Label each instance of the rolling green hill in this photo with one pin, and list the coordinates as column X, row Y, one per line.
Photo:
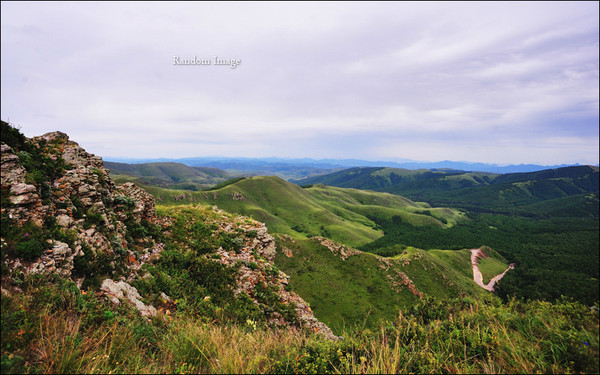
column 170, row 175
column 340, row 214
column 473, row 190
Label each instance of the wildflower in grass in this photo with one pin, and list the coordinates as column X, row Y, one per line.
column 251, row 324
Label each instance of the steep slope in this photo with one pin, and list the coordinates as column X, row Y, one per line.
column 348, row 288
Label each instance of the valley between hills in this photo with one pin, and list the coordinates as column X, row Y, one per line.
column 162, row 267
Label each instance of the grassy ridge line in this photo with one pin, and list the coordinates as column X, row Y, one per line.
column 385, row 205
column 289, row 209
column 340, row 214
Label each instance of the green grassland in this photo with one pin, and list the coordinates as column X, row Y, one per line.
column 365, row 289
column 344, row 215
column 491, row 265
column 547, row 245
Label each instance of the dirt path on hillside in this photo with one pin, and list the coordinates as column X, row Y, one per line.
column 478, row 277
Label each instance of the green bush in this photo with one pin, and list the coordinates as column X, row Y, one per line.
column 12, row 136
column 30, row 249
column 121, row 200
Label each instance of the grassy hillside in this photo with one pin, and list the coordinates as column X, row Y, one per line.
column 171, row 175
column 51, row 327
column 388, row 179
column 348, row 288
column 553, row 257
column 472, row 190
column 340, row 214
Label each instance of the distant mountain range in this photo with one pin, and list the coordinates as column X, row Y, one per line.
column 305, row 167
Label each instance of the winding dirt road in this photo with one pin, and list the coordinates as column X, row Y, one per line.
column 478, row 277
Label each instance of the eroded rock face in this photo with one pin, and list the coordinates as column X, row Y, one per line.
column 13, row 172
column 144, row 202
column 81, row 198
column 260, row 269
column 59, row 259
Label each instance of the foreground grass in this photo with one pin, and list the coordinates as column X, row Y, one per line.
column 52, row 328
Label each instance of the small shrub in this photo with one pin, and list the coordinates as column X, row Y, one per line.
column 121, row 200
column 30, row 249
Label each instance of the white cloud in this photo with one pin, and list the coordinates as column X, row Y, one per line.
column 353, row 80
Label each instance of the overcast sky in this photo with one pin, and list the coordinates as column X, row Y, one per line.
column 487, row 82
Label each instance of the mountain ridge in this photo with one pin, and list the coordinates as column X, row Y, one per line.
column 468, row 189
column 274, row 164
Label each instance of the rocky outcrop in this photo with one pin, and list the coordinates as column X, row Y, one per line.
column 99, row 219
column 81, row 198
column 340, row 250
column 402, row 280
column 256, row 257
column 121, row 290
column 58, row 259
column 144, row 202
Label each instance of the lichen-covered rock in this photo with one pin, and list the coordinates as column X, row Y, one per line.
column 144, row 202
column 12, row 171
column 80, row 197
column 58, row 259
column 116, row 290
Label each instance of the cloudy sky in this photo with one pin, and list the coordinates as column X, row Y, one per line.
column 487, row 82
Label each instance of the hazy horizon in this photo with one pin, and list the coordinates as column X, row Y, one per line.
column 497, row 83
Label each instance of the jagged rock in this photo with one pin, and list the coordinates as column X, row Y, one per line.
column 114, row 291
column 58, row 259
column 18, row 189
column 24, row 199
column 12, row 170
column 248, row 278
column 336, row 248
column 64, row 220
column 144, row 202
column 53, row 136
column 61, row 248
